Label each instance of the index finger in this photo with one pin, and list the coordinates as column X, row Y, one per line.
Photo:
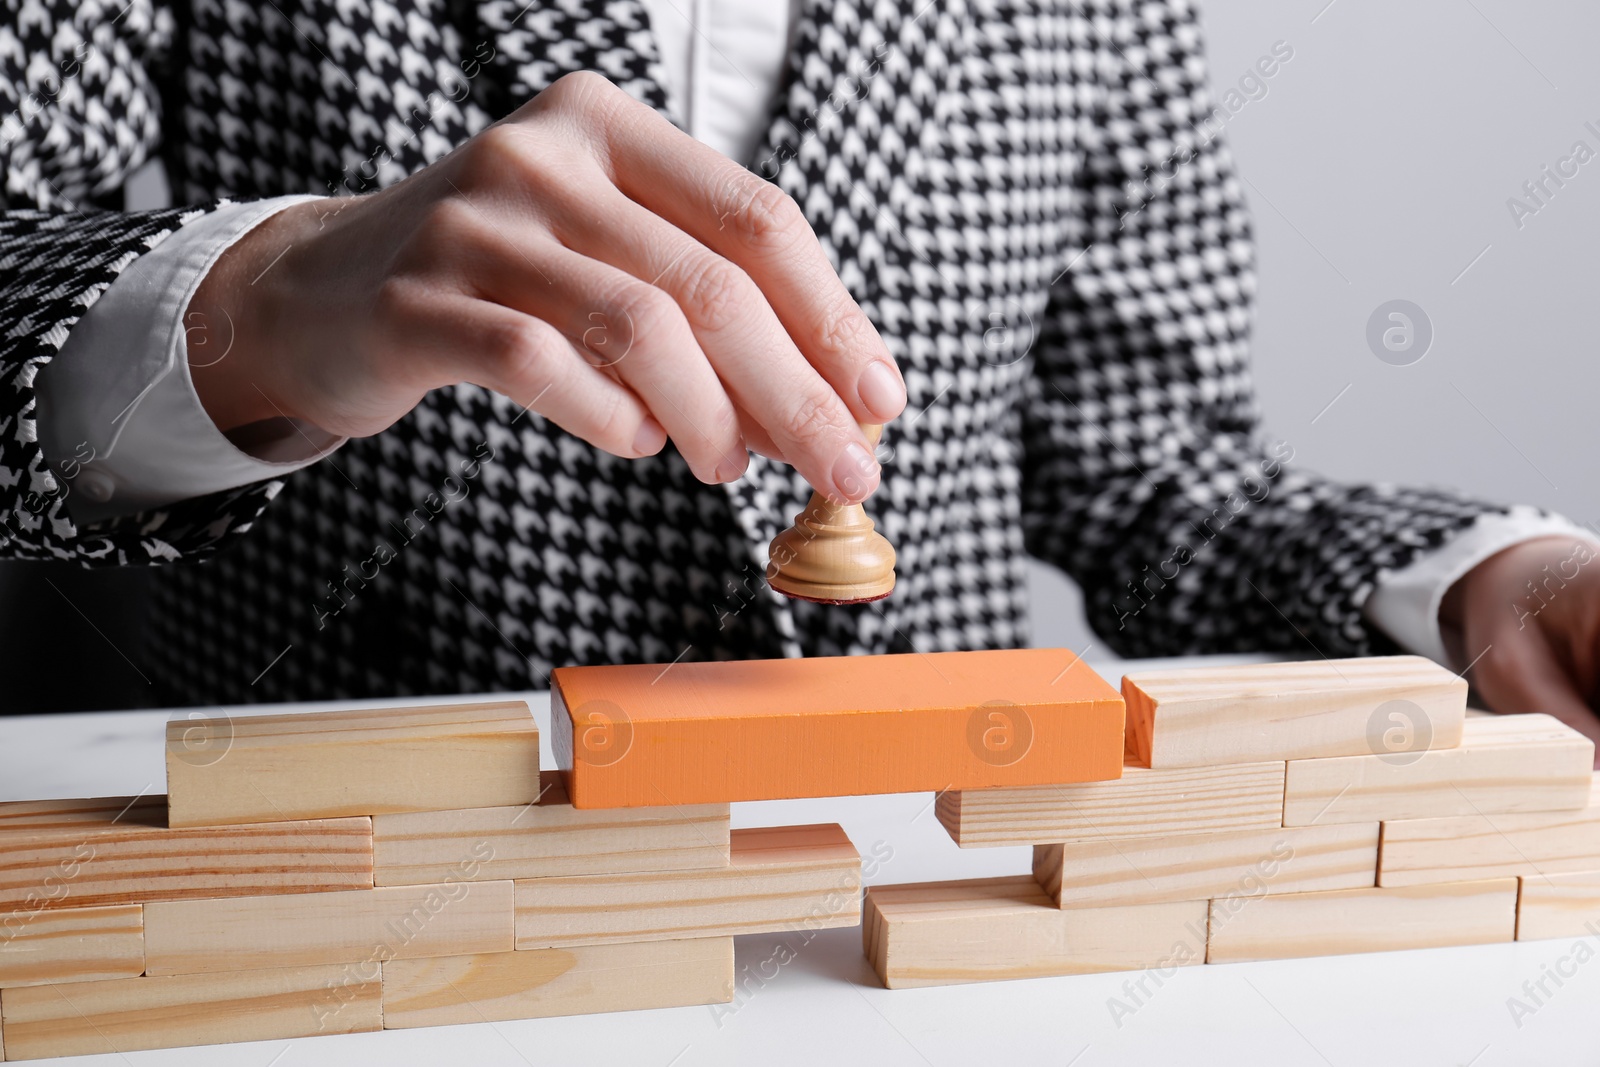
column 758, row 226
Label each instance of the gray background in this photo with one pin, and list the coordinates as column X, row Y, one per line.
column 1379, row 160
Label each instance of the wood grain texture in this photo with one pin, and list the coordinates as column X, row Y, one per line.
column 71, row 945
column 365, row 926
column 119, row 850
column 273, row 768
column 547, row 839
column 699, row 733
column 124, row 1014
column 1466, row 847
column 1142, row 803
column 1149, row 870
column 1559, row 905
column 989, row 929
column 786, row 878
column 1205, row 716
column 1293, row 925
column 1505, row 763
column 557, row 981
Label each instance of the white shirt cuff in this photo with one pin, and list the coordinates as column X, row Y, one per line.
column 118, row 415
column 1405, row 603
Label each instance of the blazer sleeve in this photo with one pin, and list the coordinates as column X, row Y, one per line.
column 1147, row 475
column 81, row 112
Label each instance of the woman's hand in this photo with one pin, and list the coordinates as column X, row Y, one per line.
column 1531, row 616
column 584, row 258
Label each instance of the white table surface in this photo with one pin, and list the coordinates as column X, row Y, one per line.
column 1417, row 1008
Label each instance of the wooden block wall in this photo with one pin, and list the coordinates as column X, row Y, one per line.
column 418, row 897
column 198, row 971
column 1486, row 831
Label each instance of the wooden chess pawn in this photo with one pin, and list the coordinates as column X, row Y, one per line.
column 833, row 554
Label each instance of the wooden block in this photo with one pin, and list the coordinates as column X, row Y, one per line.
column 546, row 839
column 1460, row 848
column 84, row 853
column 1204, row 716
column 710, row 733
column 791, row 877
column 1293, row 925
column 1142, row 803
column 1149, row 870
column 557, row 981
column 124, row 1014
column 364, row 926
column 1505, row 763
column 1559, row 905
column 988, row 929
column 71, row 945
column 272, row 768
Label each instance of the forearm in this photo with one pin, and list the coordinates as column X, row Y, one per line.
column 1419, row 604
column 118, row 416
column 1227, row 547
column 55, row 267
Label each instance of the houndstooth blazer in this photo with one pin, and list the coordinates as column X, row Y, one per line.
column 1023, row 196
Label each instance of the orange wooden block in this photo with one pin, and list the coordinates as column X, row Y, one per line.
column 710, row 733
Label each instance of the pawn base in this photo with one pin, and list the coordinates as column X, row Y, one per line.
column 831, row 601
column 831, row 593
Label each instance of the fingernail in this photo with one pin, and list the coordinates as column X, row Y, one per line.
column 855, row 473
column 731, row 470
column 881, row 390
column 650, row 438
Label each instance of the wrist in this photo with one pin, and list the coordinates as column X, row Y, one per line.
column 1503, row 578
column 237, row 325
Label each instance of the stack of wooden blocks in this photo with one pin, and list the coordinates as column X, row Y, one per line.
column 399, row 867
column 1269, row 812
column 361, row 870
